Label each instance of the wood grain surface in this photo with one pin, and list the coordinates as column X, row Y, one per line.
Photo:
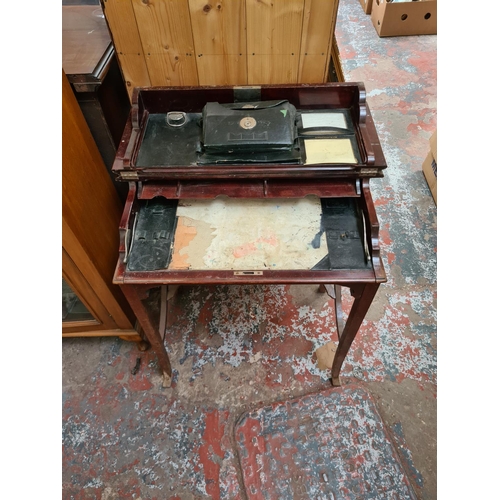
column 167, row 40
column 85, row 38
column 125, row 34
column 91, row 210
column 222, row 42
column 273, row 40
column 219, row 32
column 317, row 33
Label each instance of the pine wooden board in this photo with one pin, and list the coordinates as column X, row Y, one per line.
column 135, row 71
column 222, row 69
column 218, row 26
column 121, row 21
column 170, row 69
column 273, row 40
column 167, row 40
column 219, row 34
column 274, row 26
column 268, row 69
column 222, row 42
column 312, row 68
column 317, row 32
column 336, row 61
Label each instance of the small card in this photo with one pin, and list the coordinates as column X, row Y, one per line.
column 310, row 120
column 329, row 151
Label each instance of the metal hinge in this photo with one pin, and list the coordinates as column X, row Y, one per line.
column 250, row 93
column 368, row 171
column 129, row 176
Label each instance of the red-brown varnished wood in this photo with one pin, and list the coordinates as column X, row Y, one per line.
column 221, row 277
column 339, row 316
column 226, row 276
column 253, row 181
column 336, row 95
column 152, row 334
column 254, row 171
column 193, row 99
column 358, row 311
column 247, row 188
column 372, row 227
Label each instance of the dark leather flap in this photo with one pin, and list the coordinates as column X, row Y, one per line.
column 253, row 127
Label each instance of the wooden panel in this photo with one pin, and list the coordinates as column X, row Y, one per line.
column 218, row 26
column 312, row 68
column 273, row 29
column 317, row 32
column 336, row 60
column 222, row 42
column 122, row 25
column 222, row 69
column 274, row 26
column 266, row 69
column 167, row 40
column 85, row 38
column 219, row 35
column 83, row 290
column 130, row 335
column 172, row 71
column 91, row 210
column 103, row 299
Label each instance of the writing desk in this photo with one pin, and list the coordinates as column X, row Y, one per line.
column 308, row 221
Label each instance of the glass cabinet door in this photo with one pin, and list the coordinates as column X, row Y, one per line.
column 73, row 309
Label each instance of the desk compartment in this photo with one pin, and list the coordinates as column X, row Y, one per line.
column 164, row 145
column 242, row 234
column 334, row 135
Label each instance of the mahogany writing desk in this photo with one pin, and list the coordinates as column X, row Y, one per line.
column 197, row 218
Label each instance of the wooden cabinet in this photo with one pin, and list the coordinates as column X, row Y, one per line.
column 89, row 61
column 91, row 211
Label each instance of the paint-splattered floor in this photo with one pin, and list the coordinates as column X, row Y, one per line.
column 237, row 348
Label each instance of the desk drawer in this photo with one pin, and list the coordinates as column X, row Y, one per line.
column 248, row 236
column 250, row 188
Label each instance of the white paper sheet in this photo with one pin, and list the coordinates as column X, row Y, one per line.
column 310, row 120
column 329, row 151
column 249, row 234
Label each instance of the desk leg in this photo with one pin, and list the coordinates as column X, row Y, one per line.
column 152, row 334
column 335, row 292
column 364, row 295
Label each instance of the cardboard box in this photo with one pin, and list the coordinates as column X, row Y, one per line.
column 366, row 5
column 429, row 167
column 404, row 18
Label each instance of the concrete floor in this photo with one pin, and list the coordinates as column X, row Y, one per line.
column 236, row 348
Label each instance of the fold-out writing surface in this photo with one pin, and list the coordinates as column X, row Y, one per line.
column 329, row 151
column 248, row 234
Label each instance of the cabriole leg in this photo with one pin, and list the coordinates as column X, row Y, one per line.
column 363, row 299
column 152, row 334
